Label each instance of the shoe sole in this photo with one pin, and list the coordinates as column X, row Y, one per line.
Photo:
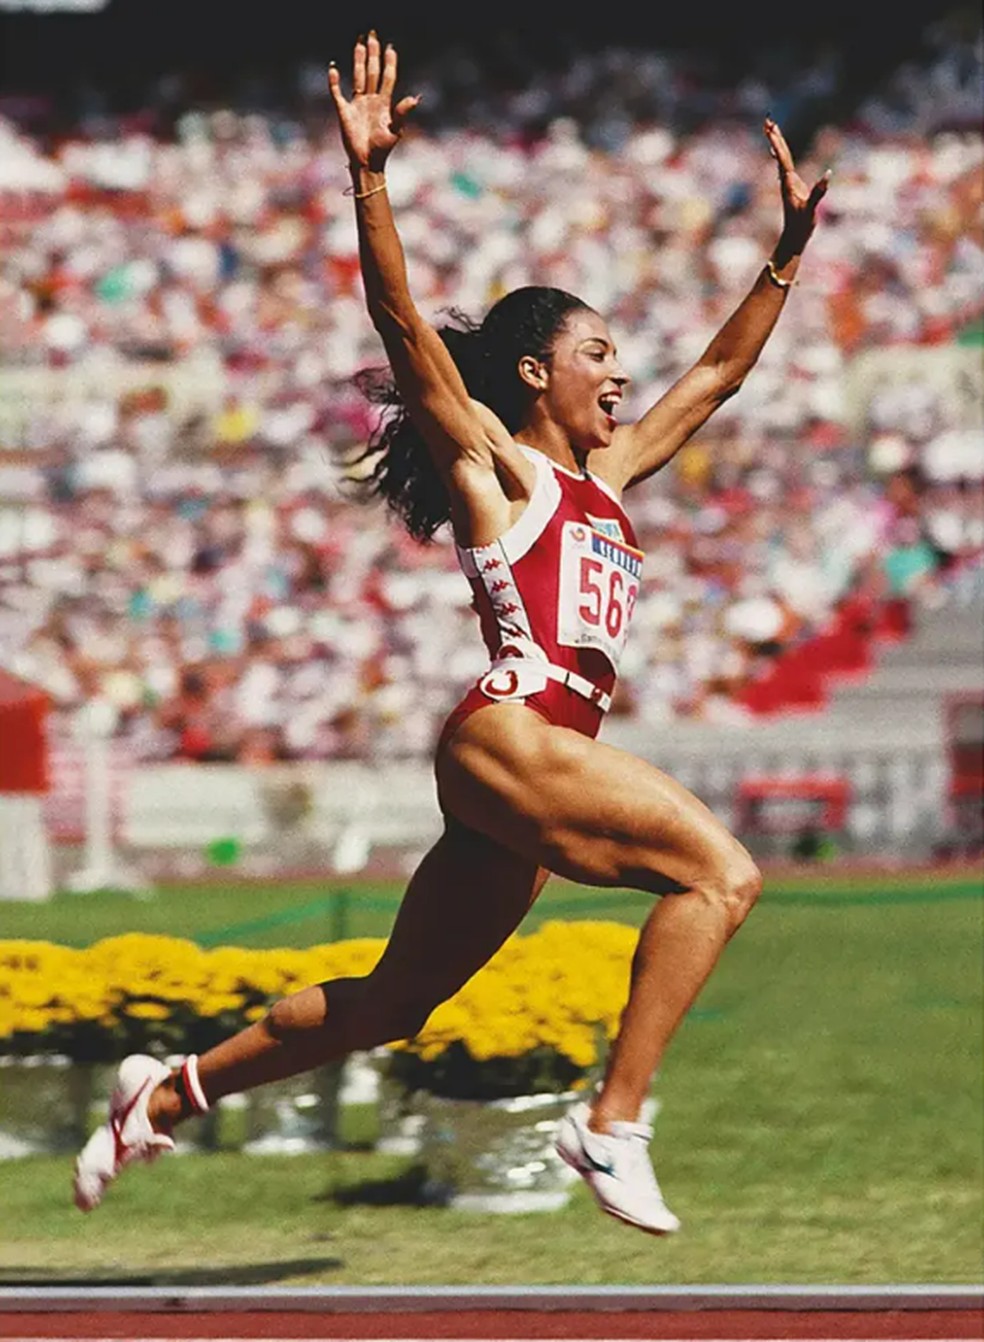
column 583, row 1171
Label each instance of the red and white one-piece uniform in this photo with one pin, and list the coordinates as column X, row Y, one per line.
column 555, row 596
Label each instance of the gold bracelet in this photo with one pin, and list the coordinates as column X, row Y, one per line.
column 775, row 277
column 361, row 195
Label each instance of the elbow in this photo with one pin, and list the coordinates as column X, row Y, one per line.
column 728, row 381
column 721, row 378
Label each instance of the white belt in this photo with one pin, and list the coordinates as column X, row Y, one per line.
column 495, row 689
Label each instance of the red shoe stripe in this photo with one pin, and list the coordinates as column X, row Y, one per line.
column 120, row 1147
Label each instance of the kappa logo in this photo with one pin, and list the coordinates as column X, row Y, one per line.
column 499, row 684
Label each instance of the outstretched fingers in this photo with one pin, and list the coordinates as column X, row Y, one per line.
column 370, row 121
column 335, row 87
column 359, row 66
column 778, row 147
column 388, row 82
column 819, row 191
column 373, row 70
column 372, row 63
column 401, row 111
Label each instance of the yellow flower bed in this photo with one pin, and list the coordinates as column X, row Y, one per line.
column 560, row 990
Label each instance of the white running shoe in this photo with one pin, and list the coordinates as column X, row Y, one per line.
column 616, row 1167
column 127, row 1135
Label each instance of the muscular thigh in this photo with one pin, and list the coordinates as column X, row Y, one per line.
column 467, row 896
column 580, row 807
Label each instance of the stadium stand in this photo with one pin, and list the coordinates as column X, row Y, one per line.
column 183, row 320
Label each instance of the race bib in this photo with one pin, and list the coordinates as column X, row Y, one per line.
column 599, row 584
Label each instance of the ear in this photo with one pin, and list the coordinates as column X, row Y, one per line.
column 533, row 372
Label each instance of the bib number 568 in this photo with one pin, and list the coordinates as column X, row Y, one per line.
column 604, row 603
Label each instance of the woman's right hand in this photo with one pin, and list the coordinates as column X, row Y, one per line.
column 370, row 122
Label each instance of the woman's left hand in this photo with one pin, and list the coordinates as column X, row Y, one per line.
column 371, row 121
column 799, row 204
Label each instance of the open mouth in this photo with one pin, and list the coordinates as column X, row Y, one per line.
column 609, row 404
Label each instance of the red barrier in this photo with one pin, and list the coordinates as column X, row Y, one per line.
column 23, row 744
column 772, row 804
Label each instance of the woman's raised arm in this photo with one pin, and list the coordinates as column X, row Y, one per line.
column 643, row 448
column 371, row 123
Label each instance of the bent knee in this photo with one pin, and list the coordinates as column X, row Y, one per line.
column 736, row 884
column 743, row 885
column 358, row 1012
column 408, row 1021
column 397, row 1010
column 288, row 1016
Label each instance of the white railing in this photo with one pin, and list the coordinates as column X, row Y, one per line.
column 332, row 815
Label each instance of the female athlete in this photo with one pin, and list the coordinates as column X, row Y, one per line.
column 509, row 432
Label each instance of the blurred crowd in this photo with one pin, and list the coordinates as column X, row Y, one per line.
column 182, row 318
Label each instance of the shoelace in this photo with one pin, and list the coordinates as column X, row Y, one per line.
column 621, row 1128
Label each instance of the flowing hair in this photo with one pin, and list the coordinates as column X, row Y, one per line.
column 524, row 322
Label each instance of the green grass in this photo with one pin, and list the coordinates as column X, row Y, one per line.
column 303, row 913
column 822, row 1122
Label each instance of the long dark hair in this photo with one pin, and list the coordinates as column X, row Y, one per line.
column 524, row 322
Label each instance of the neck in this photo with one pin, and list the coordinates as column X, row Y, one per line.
column 553, row 442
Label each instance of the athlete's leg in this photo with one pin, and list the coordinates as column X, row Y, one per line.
column 601, row 816
column 466, row 897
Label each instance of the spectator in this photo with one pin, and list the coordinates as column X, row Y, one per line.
column 179, row 541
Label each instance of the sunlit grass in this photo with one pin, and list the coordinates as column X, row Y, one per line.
column 821, row 1122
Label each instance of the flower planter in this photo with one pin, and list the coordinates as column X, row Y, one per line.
column 493, row 1155
column 47, row 1103
column 284, row 1118
column 293, row 1116
column 50, row 1104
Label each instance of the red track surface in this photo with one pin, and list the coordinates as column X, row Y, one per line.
column 732, row 1325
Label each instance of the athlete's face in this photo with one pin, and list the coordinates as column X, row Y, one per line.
column 583, row 381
